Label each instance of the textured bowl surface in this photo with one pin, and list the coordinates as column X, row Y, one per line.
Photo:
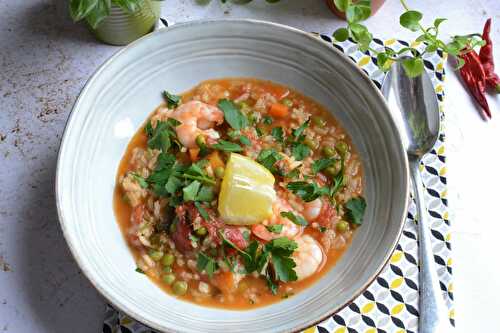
column 121, row 94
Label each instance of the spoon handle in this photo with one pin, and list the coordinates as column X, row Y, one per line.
column 433, row 311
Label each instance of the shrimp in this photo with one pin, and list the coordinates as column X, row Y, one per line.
column 312, row 209
column 308, row 257
column 197, row 118
column 289, row 228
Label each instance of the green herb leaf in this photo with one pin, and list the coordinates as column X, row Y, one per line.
column 438, row 21
column 341, row 34
column 172, row 100
column 322, row 163
column 190, row 192
column 268, row 120
column 361, row 35
column 281, row 250
column 245, row 140
column 275, row 228
column 278, row 134
column 162, row 136
column 355, row 210
column 273, row 286
column 227, row 146
column 411, row 20
column 297, row 219
column 299, row 130
column 202, row 211
column 79, row 9
column 268, row 157
column 98, row 13
column 140, row 180
column 300, row 151
column 341, row 4
column 233, row 116
column 205, row 194
column 359, row 11
column 138, row 270
column 413, row 66
column 206, row 263
column 307, row 191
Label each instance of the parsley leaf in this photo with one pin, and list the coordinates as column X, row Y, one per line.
column 190, row 192
column 140, row 180
column 245, row 140
column 171, row 99
column 207, row 264
column 322, row 164
column 139, row 270
column 273, row 286
column 355, row 210
column 281, row 250
column 297, row 219
column 299, row 130
column 233, row 116
column 202, row 211
column 227, row 146
column 300, row 151
column 307, row 191
column 268, row 120
column 293, row 173
column 162, row 136
column 278, row 135
column 275, row 228
column 268, row 157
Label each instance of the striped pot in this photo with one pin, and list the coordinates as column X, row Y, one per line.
column 121, row 28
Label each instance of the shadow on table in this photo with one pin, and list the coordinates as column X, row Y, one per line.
column 61, row 298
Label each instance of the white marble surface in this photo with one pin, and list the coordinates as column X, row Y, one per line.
column 44, row 62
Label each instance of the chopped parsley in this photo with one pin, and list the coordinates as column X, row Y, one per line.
column 233, row 116
column 275, row 228
column 227, row 146
column 140, row 180
column 307, row 191
column 297, row 133
column 268, row 157
column 322, row 164
column 171, row 99
column 138, row 270
column 322, row 229
column 245, row 140
column 202, row 211
column 355, row 210
column 163, row 135
column 297, row 219
column 207, row 264
column 278, row 134
column 268, row 120
column 300, row 151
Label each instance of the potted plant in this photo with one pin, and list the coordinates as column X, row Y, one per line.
column 338, row 7
column 117, row 22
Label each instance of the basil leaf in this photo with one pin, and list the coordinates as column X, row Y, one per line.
column 233, row 116
column 410, row 20
column 355, row 210
column 227, row 146
column 297, row 219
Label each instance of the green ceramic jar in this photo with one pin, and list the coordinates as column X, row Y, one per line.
column 122, row 28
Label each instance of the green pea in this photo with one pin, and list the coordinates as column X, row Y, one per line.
column 287, row 102
column 329, row 151
column 155, row 255
column 342, row 226
column 167, row 269
column 168, row 259
column 318, row 121
column 331, row 171
column 201, row 231
column 180, row 288
column 200, row 141
column 219, row 172
column 310, row 143
column 342, row 147
column 169, row 278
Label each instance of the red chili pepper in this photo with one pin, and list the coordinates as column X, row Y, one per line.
column 486, row 57
column 473, row 74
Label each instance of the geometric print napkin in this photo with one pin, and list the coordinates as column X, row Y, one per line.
column 390, row 303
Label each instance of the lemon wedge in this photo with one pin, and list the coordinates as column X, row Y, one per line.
column 247, row 192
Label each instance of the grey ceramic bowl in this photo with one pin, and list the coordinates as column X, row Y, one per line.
column 121, row 94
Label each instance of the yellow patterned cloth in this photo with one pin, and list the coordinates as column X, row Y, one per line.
column 390, row 303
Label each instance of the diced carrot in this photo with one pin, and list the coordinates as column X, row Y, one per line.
column 215, row 160
column 193, row 154
column 225, row 282
column 278, row 110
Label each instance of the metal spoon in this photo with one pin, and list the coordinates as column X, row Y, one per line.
column 415, row 107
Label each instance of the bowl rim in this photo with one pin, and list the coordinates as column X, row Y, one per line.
column 137, row 316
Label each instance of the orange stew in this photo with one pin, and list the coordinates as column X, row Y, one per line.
column 238, row 193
